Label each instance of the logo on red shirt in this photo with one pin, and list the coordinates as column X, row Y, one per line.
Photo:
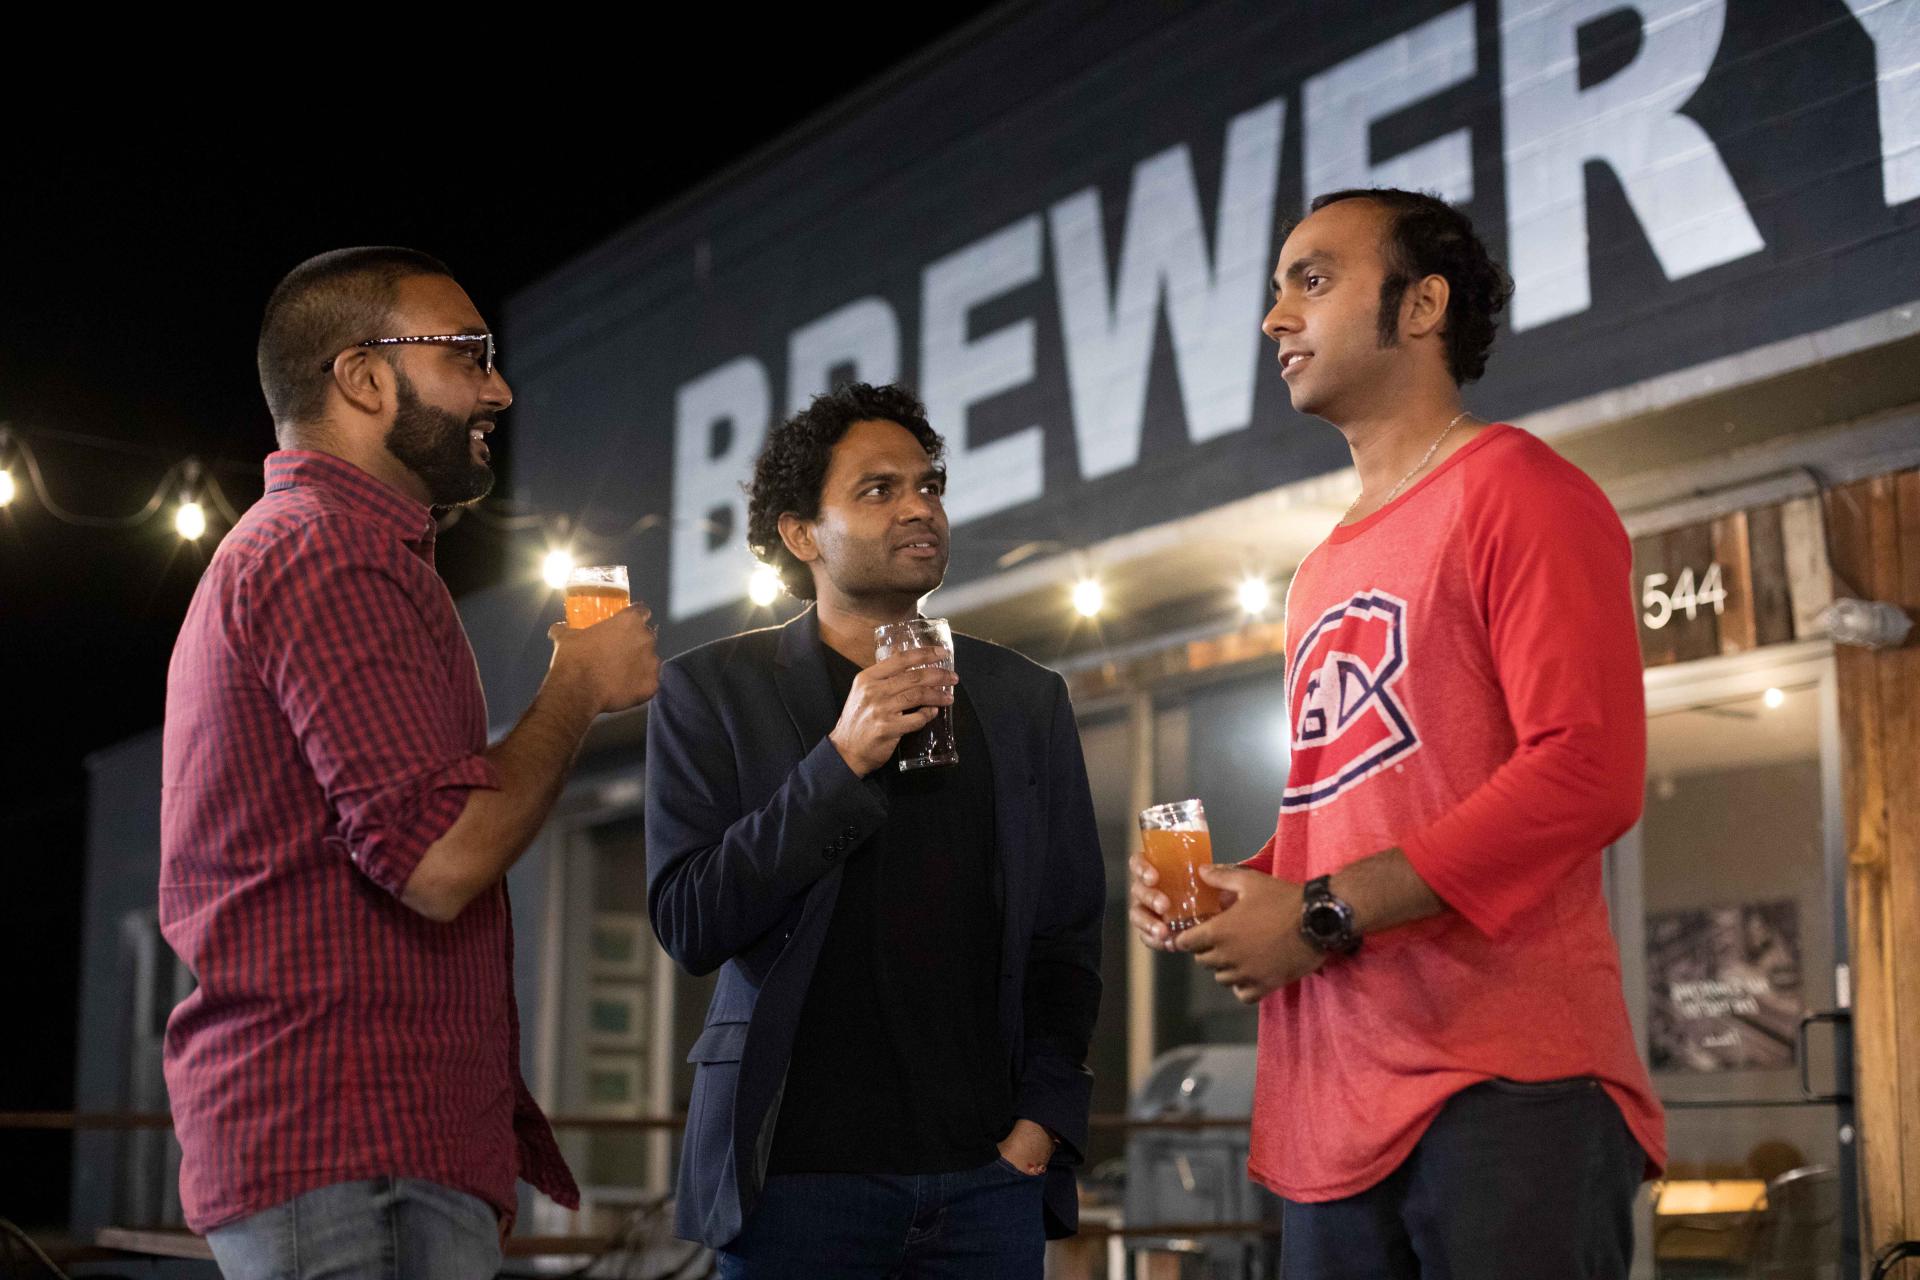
column 1347, row 721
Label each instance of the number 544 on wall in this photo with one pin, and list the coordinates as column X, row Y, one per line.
column 1661, row 604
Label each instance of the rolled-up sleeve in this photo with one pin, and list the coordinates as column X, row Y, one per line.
column 366, row 687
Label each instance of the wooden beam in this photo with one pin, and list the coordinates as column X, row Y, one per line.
column 1772, row 600
column 1875, row 532
column 1739, row 625
column 1809, row 577
column 1143, row 965
column 1897, row 579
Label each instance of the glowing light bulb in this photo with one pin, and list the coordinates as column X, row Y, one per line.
column 763, row 585
column 190, row 520
column 6, row 488
column 555, row 568
column 1255, row 595
column 1088, row 598
column 1773, row 698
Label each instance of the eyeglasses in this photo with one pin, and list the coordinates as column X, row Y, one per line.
column 441, row 339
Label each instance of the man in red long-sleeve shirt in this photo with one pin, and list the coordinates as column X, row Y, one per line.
column 1448, row 1084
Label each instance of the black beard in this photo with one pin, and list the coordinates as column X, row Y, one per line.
column 437, row 447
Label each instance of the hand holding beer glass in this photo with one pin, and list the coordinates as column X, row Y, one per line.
column 618, row 664
column 1175, row 842
column 936, row 744
column 595, row 592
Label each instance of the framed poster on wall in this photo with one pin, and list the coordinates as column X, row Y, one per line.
column 1725, row 987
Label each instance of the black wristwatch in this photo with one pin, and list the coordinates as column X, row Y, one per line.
column 1326, row 922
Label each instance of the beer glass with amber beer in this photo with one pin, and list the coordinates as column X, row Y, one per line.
column 936, row 744
column 1176, row 843
column 595, row 592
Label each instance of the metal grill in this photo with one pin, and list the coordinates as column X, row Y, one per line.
column 1200, row 1176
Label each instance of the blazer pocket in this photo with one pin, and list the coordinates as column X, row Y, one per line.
column 720, row 1042
column 716, row 1079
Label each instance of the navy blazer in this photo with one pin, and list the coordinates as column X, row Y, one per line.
column 750, row 810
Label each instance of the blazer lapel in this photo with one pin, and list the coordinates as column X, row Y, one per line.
column 800, row 674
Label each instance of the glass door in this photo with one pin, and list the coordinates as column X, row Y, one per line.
column 1729, row 903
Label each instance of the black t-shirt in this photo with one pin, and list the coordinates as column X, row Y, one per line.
column 898, row 1064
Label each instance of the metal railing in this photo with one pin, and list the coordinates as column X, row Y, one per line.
column 146, row 1241
column 107, row 1120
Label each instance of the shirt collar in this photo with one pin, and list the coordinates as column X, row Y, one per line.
column 411, row 521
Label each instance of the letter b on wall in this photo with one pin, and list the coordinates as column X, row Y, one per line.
column 720, row 422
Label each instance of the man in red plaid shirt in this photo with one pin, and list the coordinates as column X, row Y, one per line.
column 336, row 829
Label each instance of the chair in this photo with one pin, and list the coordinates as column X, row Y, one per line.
column 1797, row 1236
column 1703, row 1229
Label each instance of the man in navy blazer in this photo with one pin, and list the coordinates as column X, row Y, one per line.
column 891, row 1080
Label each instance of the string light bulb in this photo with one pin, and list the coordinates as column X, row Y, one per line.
column 190, row 518
column 1773, row 698
column 1088, row 597
column 1255, row 596
column 7, row 489
column 556, row 567
column 763, row 585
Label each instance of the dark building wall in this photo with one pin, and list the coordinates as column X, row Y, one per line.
column 1062, row 231
column 123, row 872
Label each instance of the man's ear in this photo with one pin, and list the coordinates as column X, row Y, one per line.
column 1424, row 310
column 362, row 379
column 797, row 534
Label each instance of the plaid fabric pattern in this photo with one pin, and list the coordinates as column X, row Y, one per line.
column 324, row 726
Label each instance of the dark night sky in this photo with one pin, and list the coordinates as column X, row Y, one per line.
column 133, row 266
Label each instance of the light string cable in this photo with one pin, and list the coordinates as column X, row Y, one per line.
column 186, row 476
column 10, row 1233
column 510, row 516
column 194, row 482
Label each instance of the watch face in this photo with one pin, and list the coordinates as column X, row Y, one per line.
column 1324, row 921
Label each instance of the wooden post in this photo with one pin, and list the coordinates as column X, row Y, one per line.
column 1141, row 963
column 1875, row 531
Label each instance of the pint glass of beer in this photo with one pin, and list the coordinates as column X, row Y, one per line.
column 936, row 744
column 595, row 592
column 1176, row 844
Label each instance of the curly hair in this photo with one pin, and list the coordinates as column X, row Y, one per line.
column 792, row 467
column 1429, row 237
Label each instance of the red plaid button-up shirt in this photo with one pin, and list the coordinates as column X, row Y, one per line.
column 324, row 726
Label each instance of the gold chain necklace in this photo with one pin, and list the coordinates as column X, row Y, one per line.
column 1395, row 491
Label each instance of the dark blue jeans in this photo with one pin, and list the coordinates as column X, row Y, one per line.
column 979, row 1224
column 1520, row 1181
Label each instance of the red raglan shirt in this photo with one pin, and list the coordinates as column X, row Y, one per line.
column 1463, row 675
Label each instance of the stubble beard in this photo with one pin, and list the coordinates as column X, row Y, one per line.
column 870, row 581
